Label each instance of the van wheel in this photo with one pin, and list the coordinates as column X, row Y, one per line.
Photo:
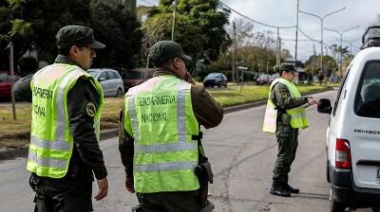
column 118, row 93
column 376, row 209
column 337, row 206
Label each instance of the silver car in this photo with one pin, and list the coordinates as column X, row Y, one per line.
column 110, row 80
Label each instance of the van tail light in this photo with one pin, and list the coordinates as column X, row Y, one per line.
column 342, row 154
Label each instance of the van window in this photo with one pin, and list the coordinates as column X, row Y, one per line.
column 367, row 100
column 341, row 92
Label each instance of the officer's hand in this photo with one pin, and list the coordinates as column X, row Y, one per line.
column 311, row 101
column 129, row 184
column 103, row 189
column 189, row 78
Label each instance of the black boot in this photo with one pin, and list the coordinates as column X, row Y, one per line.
column 279, row 190
column 291, row 189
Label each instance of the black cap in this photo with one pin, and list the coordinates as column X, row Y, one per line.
column 165, row 50
column 287, row 67
column 77, row 35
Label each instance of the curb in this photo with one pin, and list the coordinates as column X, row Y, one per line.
column 11, row 153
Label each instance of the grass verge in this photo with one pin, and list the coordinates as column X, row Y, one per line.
column 15, row 133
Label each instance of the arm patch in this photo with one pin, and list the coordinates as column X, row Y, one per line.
column 284, row 95
column 90, row 109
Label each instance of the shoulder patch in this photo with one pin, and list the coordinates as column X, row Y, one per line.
column 284, row 95
column 91, row 109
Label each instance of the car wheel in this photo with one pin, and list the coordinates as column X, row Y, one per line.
column 337, row 206
column 119, row 92
column 219, row 84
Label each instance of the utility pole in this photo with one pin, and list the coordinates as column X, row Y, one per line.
column 278, row 58
column 233, row 51
column 296, row 49
column 174, row 20
column 11, row 65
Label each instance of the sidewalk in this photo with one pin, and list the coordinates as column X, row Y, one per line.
column 10, row 153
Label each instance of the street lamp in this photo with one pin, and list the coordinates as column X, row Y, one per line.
column 322, row 19
column 341, row 39
column 174, row 20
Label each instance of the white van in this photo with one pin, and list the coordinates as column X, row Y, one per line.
column 353, row 133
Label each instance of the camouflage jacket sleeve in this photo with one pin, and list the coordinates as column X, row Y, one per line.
column 280, row 95
column 208, row 112
column 21, row 89
column 126, row 146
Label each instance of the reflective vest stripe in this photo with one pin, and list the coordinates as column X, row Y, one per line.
column 181, row 117
column 182, row 146
column 56, row 145
column 165, row 166
column 56, row 163
column 133, row 116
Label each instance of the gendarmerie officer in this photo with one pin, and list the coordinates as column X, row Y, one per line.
column 64, row 153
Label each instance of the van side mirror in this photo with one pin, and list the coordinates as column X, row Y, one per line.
column 102, row 79
column 324, row 106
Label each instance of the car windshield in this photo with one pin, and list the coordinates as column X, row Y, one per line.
column 3, row 77
column 133, row 74
column 213, row 75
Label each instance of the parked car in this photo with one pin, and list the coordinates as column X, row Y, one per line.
column 215, row 79
column 135, row 77
column 263, row 79
column 110, row 80
column 352, row 137
column 273, row 77
column 6, row 84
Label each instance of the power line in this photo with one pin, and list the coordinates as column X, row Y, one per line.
column 257, row 22
column 310, row 38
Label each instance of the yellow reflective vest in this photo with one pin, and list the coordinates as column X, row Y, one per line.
column 51, row 143
column 159, row 115
column 298, row 117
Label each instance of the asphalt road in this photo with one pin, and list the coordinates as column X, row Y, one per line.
column 242, row 157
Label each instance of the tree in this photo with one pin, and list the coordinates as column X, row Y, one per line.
column 14, row 29
column 112, row 25
column 120, row 31
column 199, row 26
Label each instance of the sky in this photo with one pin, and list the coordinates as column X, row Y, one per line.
column 350, row 22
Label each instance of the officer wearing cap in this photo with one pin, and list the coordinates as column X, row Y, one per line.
column 64, row 153
column 284, row 115
column 160, row 136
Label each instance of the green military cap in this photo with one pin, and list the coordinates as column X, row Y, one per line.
column 165, row 50
column 288, row 67
column 77, row 35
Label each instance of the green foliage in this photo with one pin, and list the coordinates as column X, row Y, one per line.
column 199, row 26
column 19, row 27
column 39, row 23
column 119, row 30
